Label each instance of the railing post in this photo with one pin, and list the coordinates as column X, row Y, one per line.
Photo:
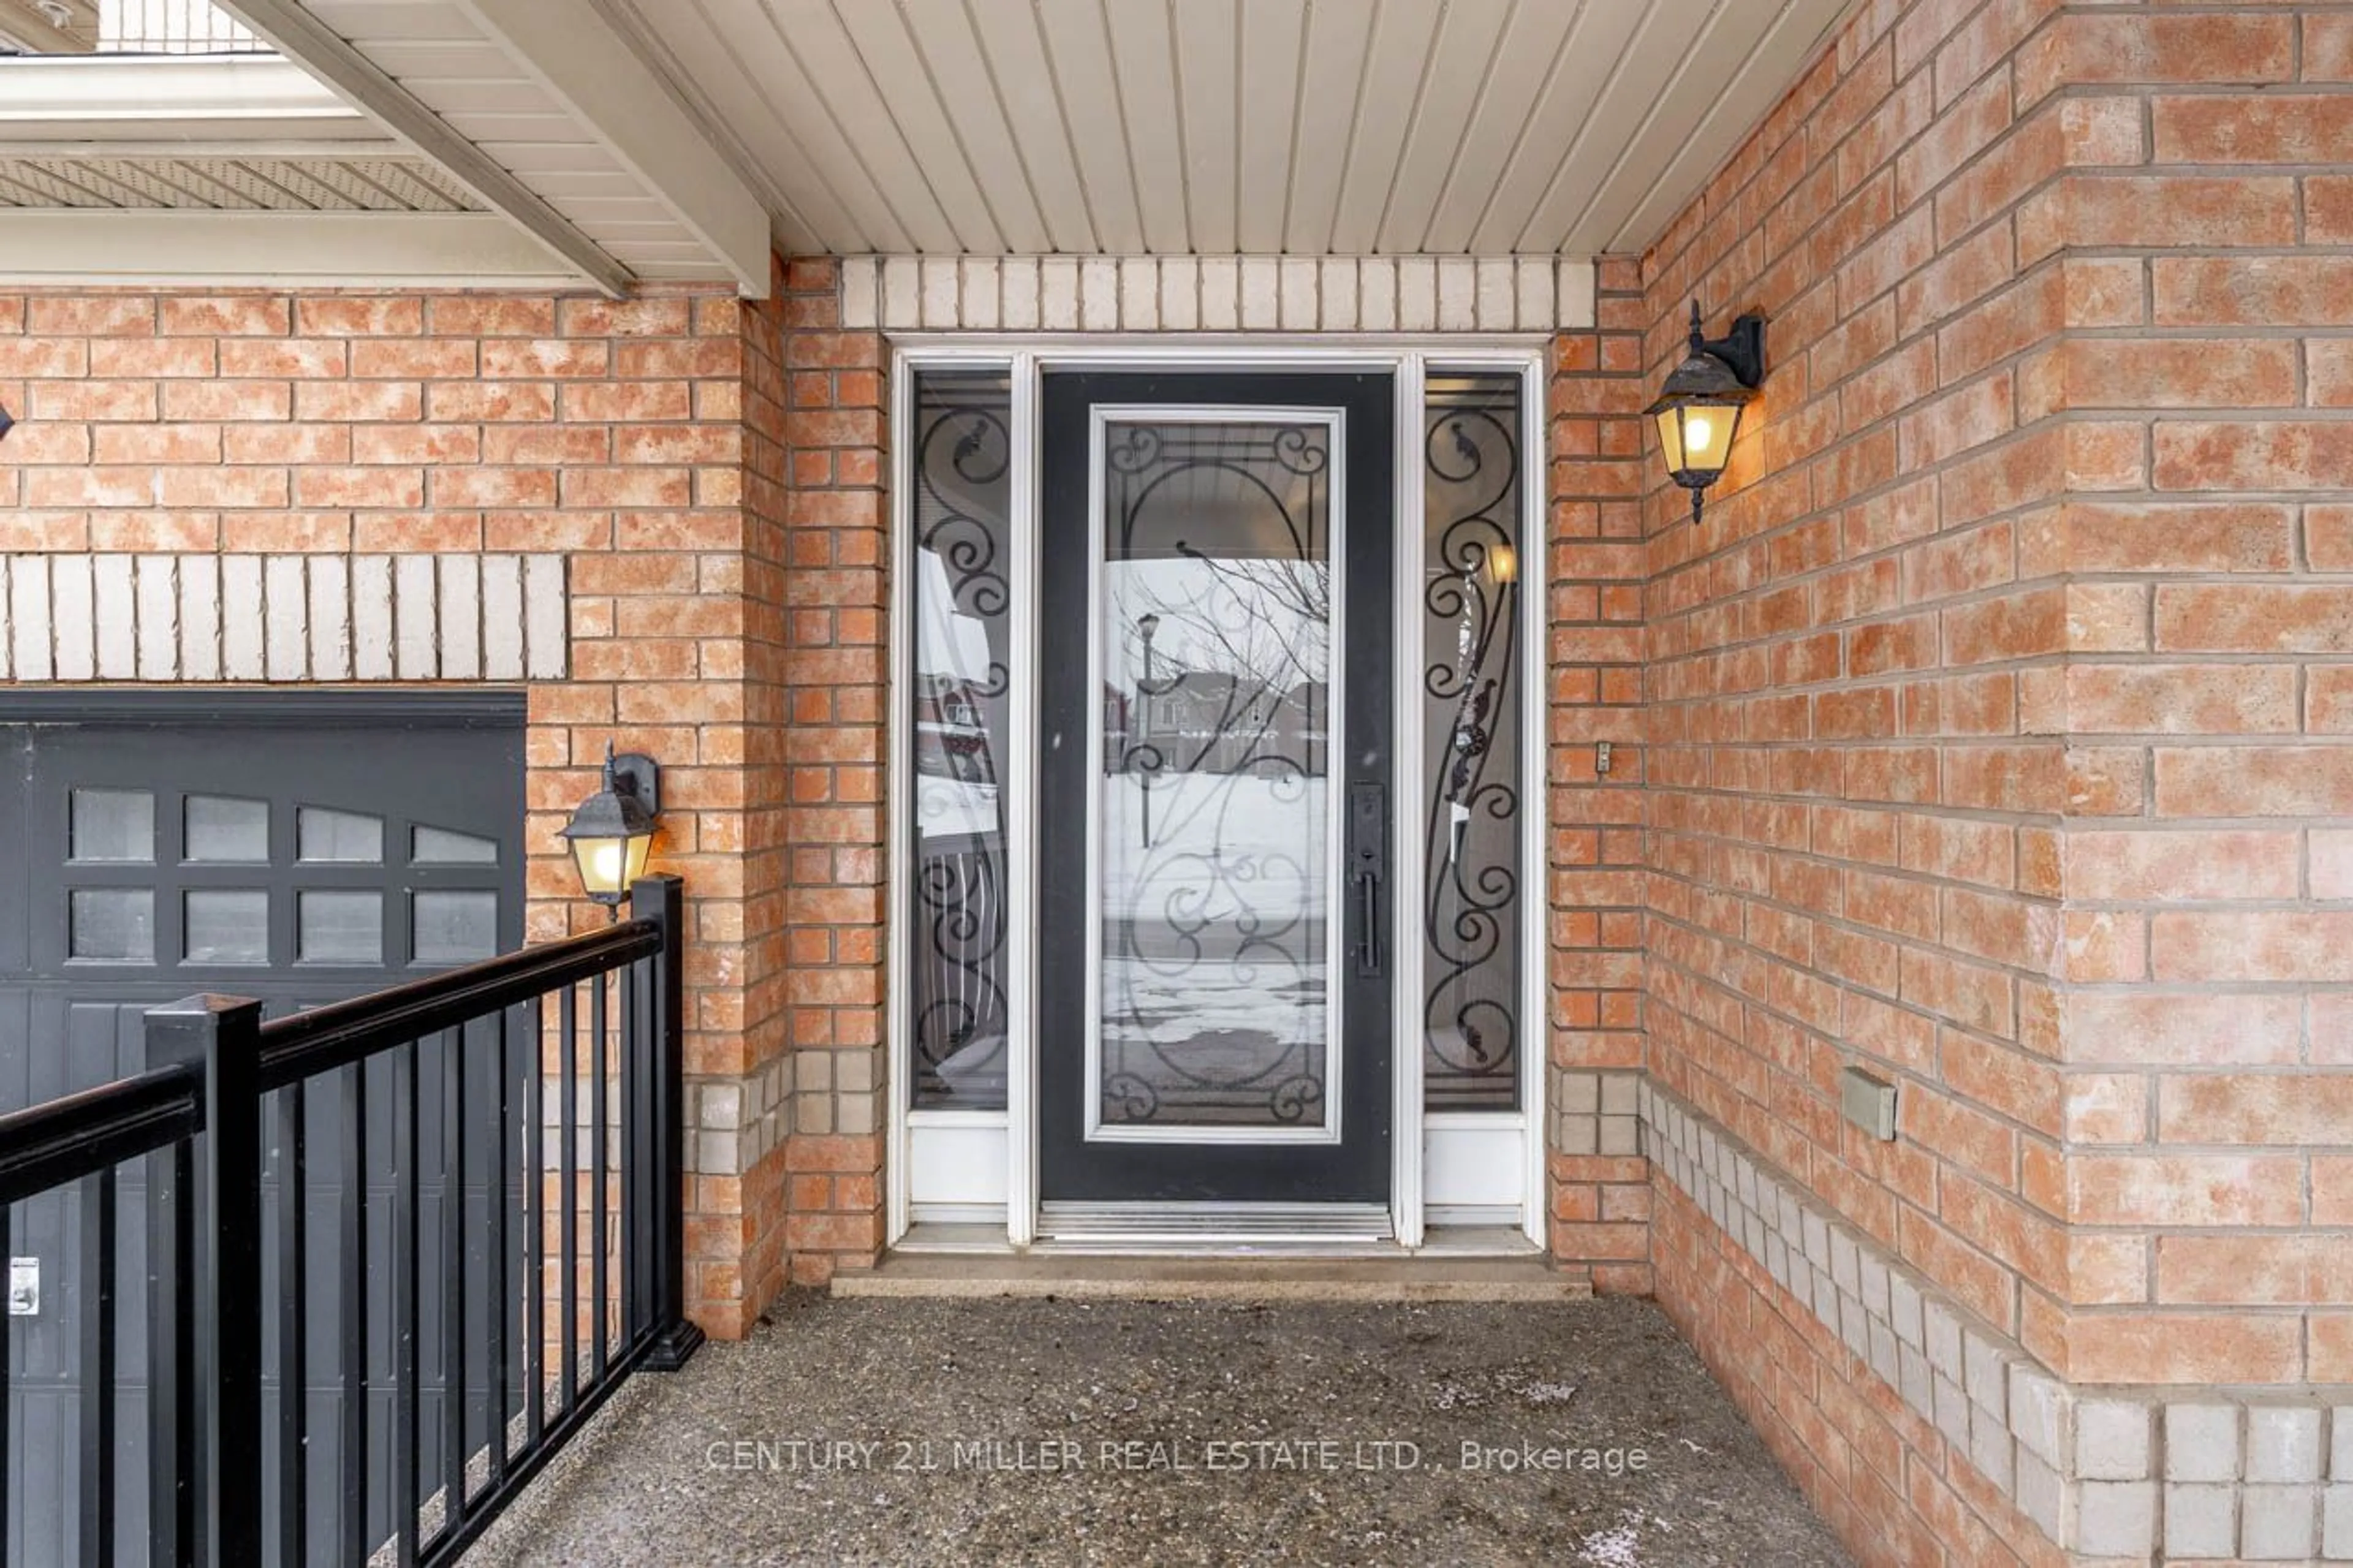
column 221, row 1307
column 662, row 900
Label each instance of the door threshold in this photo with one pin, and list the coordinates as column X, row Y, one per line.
column 1469, row 1241
column 1263, row 1277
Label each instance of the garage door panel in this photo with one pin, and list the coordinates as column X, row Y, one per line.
column 15, row 768
column 218, row 843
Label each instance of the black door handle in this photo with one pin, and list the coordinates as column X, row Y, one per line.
column 1368, row 864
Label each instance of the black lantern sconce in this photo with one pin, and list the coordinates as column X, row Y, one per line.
column 1698, row 410
column 612, row 830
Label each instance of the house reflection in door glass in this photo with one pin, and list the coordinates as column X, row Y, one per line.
column 959, row 709
column 1214, row 644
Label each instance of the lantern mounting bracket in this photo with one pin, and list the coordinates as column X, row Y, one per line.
column 1742, row 349
column 636, row 773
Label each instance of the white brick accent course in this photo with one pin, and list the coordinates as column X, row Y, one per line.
column 194, row 618
column 1217, row 294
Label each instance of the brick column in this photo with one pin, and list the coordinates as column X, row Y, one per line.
column 834, row 667
column 1598, row 1193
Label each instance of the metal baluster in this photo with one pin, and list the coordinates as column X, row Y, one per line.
column 98, row 1217
column 352, row 1133
column 293, row 1317
column 534, row 1235
column 406, row 1323
column 568, row 1066
column 172, row 1460
column 597, row 1029
column 633, row 1127
column 501, row 1280
column 453, row 1276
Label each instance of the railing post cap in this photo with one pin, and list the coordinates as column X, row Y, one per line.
column 203, row 1005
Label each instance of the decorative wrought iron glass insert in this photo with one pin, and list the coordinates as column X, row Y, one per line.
column 1470, row 597
column 1216, row 642
column 961, row 464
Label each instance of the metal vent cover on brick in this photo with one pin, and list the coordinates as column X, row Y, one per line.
column 232, row 185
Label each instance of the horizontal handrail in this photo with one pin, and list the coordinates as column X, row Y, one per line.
column 304, row 1045
column 62, row 1140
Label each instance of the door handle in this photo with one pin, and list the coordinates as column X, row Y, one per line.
column 1368, row 865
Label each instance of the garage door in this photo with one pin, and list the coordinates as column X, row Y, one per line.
column 295, row 847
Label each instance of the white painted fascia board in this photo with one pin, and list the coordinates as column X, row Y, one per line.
column 590, row 66
column 272, row 249
column 237, row 99
column 302, row 38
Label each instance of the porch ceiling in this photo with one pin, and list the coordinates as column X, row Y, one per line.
column 1342, row 127
column 673, row 139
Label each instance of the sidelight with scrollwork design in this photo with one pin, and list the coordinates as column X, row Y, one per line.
column 1471, row 601
column 961, row 471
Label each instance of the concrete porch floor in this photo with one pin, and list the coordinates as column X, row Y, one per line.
column 1051, row 1430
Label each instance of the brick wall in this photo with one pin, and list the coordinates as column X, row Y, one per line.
column 1598, row 1197
column 836, row 668
column 1854, row 817
column 334, row 487
column 1990, row 717
column 2208, row 304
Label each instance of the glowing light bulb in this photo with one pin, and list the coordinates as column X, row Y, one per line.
column 606, row 862
column 1698, row 434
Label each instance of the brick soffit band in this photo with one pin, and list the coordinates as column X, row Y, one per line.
column 1374, row 294
column 2106, row 1472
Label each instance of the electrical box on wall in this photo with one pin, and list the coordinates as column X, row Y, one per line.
column 1869, row 1102
column 23, row 1287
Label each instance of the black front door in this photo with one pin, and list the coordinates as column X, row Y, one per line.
column 1217, row 614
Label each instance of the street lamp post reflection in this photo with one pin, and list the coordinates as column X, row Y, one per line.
column 1147, row 624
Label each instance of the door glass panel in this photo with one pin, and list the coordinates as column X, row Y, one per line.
column 454, row 928
column 228, row 830
column 961, row 708
column 336, row 927
column 1215, row 638
column 1470, row 730
column 113, row 824
column 439, row 846
column 226, row 926
column 113, row 925
column 346, row 836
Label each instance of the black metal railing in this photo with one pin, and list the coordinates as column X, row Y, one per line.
column 394, row 1252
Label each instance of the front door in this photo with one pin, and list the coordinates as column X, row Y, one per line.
column 1217, row 614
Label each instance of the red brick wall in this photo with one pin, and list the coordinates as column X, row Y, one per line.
column 1889, row 1483
column 836, row 669
column 1994, row 708
column 2209, row 944
column 1598, row 1204
column 1854, row 816
column 463, row 424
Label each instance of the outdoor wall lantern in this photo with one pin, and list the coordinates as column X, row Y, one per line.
column 1699, row 408
column 612, row 830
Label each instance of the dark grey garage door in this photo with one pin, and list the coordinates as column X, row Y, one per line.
column 292, row 846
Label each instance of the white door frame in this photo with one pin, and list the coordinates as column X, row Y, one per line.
column 990, row 1158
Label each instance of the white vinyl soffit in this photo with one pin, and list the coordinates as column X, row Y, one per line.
column 1218, row 127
